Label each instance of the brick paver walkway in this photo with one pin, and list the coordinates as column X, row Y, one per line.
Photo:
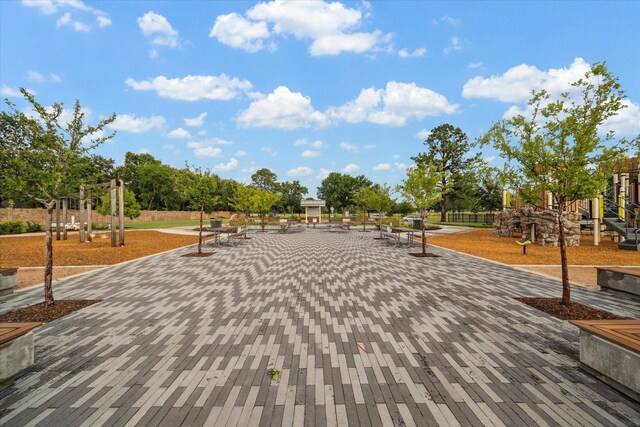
column 363, row 335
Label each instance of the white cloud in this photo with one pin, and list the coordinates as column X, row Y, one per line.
column 393, row 106
column 626, row 122
column 449, row 20
column 454, row 47
column 516, row 84
column 423, row 134
column 103, row 21
column 196, row 121
column 323, row 173
column 41, row 78
column 240, row 153
column 475, row 65
column 226, row 167
column 382, row 167
column 347, row 146
column 300, row 171
column 158, row 29
column 193, row 88
column 404, row 53
column 317, row 144
column 282, row 109
column 269, row 150
column 50, row 7
column 331, row 27
column 202, row 149
column 130, row 123
column 240, row 33
column 351, row 167
column 170, row 147
column 179, row 133
column 10, row 92
column 310, row 153
column 67, row 20
column 369, row 146
column 401, row 166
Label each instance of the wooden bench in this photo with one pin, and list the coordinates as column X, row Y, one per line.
column 611, row 348
column 16, row 350
column 394, row 237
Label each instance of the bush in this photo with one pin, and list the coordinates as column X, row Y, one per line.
column 33, row 227
column 12, row 227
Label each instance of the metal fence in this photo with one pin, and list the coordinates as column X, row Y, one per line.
column 471, row 217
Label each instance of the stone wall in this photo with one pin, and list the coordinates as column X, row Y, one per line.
column 38, row 216
column 546, row 225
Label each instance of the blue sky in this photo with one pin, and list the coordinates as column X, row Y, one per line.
column 306, row 88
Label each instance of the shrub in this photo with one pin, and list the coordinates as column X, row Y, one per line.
column 33, row 227
column 12, row 227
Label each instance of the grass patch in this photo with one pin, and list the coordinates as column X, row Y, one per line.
column 162, row 224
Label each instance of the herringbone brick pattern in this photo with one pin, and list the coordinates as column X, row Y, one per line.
column 362, row 333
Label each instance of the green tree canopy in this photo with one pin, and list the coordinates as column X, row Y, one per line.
column 338, row 190
column 558, row 146
column 265, row 179
column 422, row 188
column 43, row 159
column 448, row 148
column 131, row 206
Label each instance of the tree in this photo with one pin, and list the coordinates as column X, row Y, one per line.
column 131, row 206
column 380, row 201
column 362, row 200
column 265, row 179
column 338, row 190
column 291, row 194
column 490, row 189
column 422, row 188
column 403, row 208
column 243, row 199
column 558, row 147
column 262, row 201
column 202, row 192
column 447, row 147
column 44, row 159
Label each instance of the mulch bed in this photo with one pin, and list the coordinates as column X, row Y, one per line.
column 198, row 255
column 575, row 311
column 41, row 313
column 425, row 255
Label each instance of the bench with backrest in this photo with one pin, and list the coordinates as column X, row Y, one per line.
column 240, row 234
column 16, row 350
column 612, row 349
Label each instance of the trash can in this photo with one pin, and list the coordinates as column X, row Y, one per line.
column 215, row 223
column 417, row 224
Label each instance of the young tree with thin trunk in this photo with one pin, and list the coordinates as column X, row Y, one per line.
column 362, row 200
column 43, row 160
column 423, row 188
column 559, row 145
column 202, row 193
column 262, row 201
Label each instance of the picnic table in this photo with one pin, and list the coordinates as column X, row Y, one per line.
column 395, row 233
column 217, row 233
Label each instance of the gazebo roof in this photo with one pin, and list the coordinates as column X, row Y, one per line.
column 308, row 203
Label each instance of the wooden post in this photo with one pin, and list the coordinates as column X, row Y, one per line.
column 58, row 219
column 81, row 213
column 121, row 210
column 89, row 221
column 113, row 213
column 504, row 199
column 64, row 216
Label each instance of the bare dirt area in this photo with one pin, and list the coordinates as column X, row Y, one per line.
column 28, row 251
column 583, row 276
column 41, row 313
column 575, row 311
column 35, row 275
column 483, row 244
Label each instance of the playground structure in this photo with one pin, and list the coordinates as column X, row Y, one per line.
column 616, row 209
column 85, row 208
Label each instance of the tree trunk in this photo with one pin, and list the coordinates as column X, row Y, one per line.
column 424, row 239
column 200, row 233
column 48, row 257
column 566, row 287
column 443, row 202
column 380, row 226
column 262, row 221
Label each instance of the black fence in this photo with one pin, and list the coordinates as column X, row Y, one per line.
column 478, row 218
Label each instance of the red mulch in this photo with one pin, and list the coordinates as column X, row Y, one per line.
column 425, row 255
column 41, row 313
column 575, row 311
column 197, row 255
